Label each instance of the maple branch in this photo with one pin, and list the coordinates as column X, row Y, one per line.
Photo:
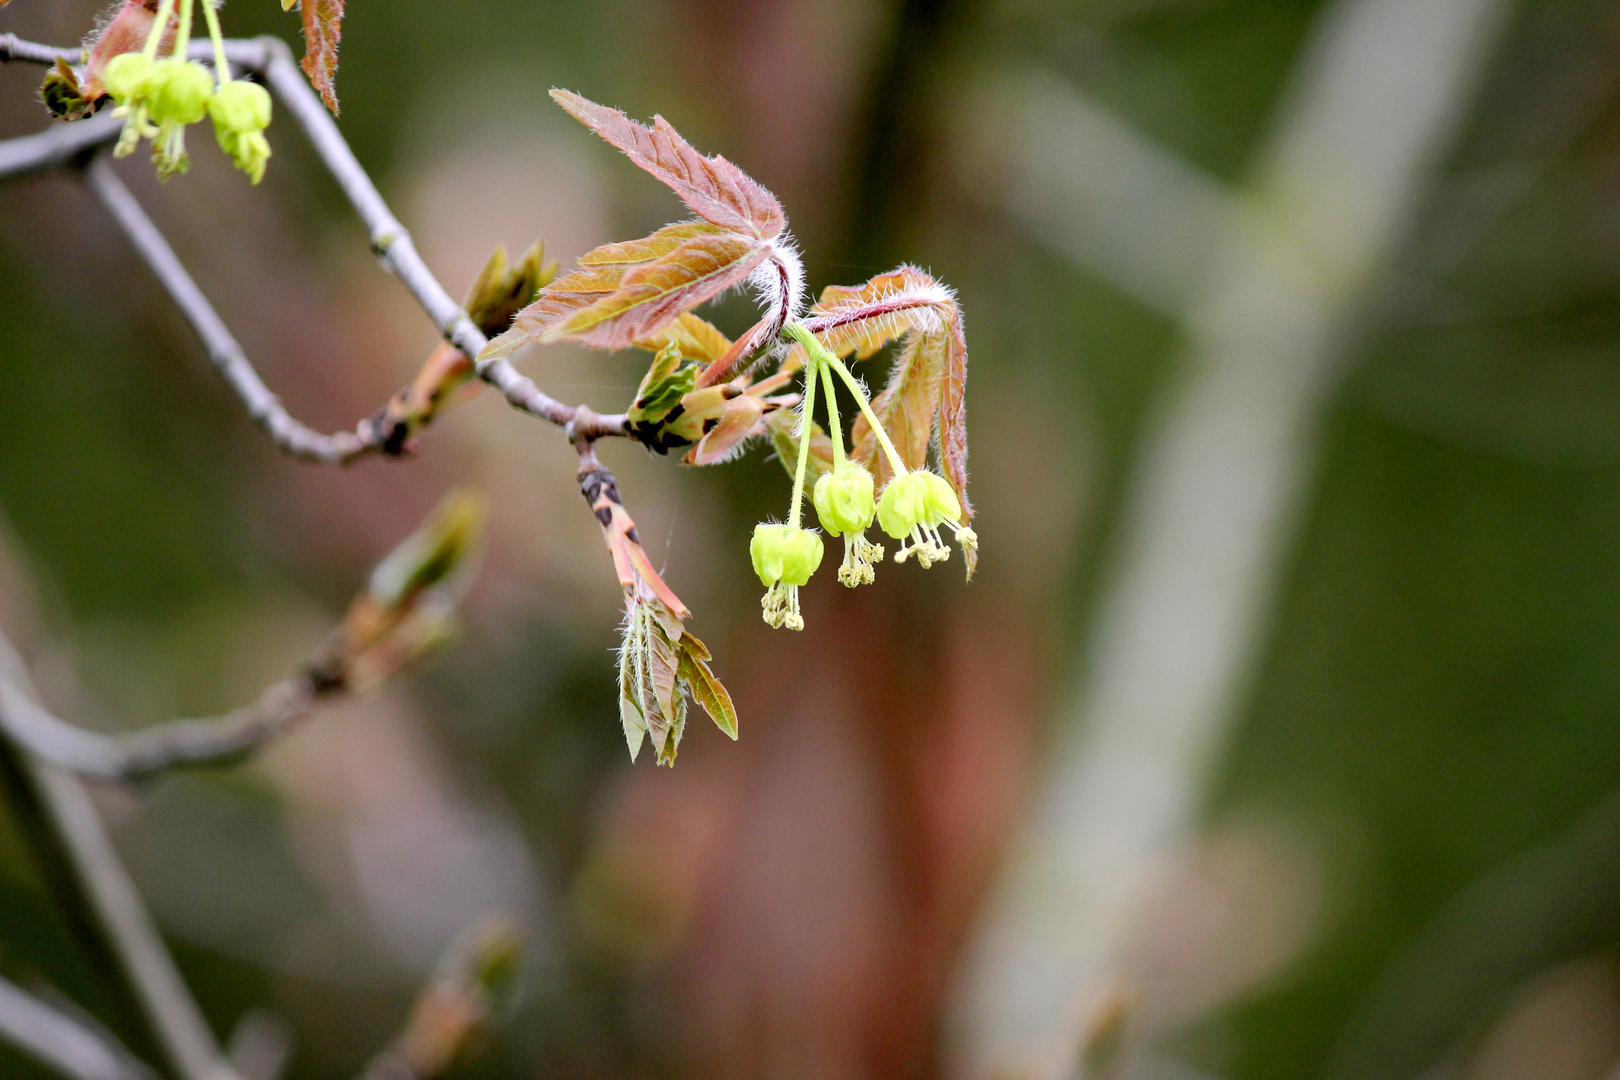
column 13, row 47
column 56, row 147
column 270, row 57
column 395, row 249
column 141, row 754
column 71, row 1045
column 266, row 410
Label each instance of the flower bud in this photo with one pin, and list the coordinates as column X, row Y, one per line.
column 180, row 90
column 784, row 554
column 126, row 76
column 844, row 499
column 240, row 107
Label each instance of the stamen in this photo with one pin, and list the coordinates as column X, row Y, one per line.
column 859, row 555
column 781, row 607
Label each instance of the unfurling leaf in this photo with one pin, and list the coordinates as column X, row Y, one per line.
column 323, row 29
column 497, row 294
column 660, row 665
column 654, row 294
column 706, row 690
column 627, row 293
column 924, row 399
column 715, row 189
column 408, row 606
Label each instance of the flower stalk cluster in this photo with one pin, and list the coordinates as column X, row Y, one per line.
column 160, row 96
column 911, row 509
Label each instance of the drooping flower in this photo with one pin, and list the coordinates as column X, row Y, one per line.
column 845, row 504
column 127, row 78
column 914, row 506
column 241, row 112
column 178, row 93
column 784, row 557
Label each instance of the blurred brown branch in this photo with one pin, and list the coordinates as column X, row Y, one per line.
column 455, row 1009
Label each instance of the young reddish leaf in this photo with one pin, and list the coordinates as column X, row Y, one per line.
column 323, row 28
column 695, row 337
column 653, row 294
column 861, row 320
column 706, row 690
column 636, row 289
column 648, row 248
column 906, row 408
column 715, row 189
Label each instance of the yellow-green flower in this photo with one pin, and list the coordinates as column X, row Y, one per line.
column 845, row 504
column 914, row 506
column 241, row 112
column 784, row 557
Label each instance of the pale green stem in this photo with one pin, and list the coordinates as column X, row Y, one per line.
column 806, row 423
column 222, row 68
column 836, row 431
column 816, row 351
column 160, row 22
column 182, row 36
column 866, row 411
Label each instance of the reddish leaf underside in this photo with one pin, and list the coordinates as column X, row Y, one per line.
column 715, row 189
column 323, row 28
column 623, row 294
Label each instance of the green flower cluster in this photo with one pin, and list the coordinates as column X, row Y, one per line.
column 912, row 506
column 160, row 97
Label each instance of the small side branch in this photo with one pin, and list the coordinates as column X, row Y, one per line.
column 223, row 351
column 456, row 1008
column 151, row 751
column 13, row 47
column 56, row 147
column 67, row 1044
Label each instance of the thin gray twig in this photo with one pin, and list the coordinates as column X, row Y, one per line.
column 13, row 47
column 227, row 356
column 396, row 250
column 270, row 58
column 62, row 1042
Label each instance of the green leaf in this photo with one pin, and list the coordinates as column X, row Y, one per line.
column 707, row 690
column 666, row 382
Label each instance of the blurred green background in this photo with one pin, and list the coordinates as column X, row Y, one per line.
column 1401, row 855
